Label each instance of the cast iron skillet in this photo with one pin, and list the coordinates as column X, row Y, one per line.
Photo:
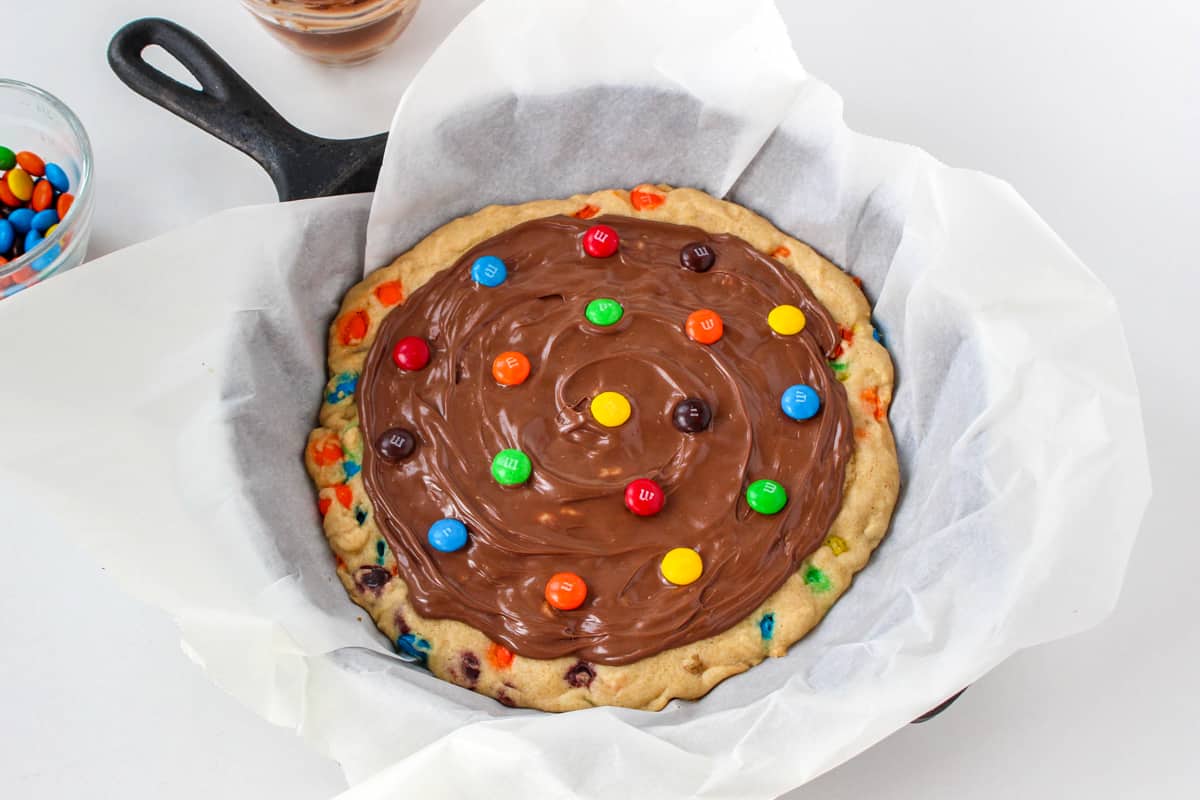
column 300, row 164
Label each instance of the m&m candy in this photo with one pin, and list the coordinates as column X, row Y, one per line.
column 7, row 236
column 21, row 219
column 565, row 591
column 57, row 177
column 600, row 241
column 604, row 311
column 644, row 497
column 489, row 271
column 786, row 320
column 19, row 183
column 704, row 326
column 691, row 415
column 447, row 535
column 396, row 444
column 766, row 496
column 8, row 159
column 511, row 368
column 43, row 220
column 31, row 163
column 682, row 566
column 411, row 353
column 697, row 256
column 800, row 402
column 511, row 467
column 611, row 409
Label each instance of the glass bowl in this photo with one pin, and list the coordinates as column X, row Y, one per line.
column 335, row 31
column 35, row 120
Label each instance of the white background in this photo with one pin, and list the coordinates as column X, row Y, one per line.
column 1091, row 108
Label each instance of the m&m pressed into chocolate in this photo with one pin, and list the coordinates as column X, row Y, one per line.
column 600, row 241
column 555, row 362
column 411, row 353
column 489, row 271
column 396, row 444
column 644, row 497
column 704, row 326
column 511, row 467
column 786, row 320
column 566, row 591
column 766, row 496
column 691, row 415
column 604, row 311
column 511, row 368
column 682, row 566
column 447, row 535
column 611, row 409
column 697, row 256
column 800, row 402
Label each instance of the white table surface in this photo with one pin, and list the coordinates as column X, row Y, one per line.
column 1091, row 108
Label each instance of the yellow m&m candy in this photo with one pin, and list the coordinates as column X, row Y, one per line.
column 786, row 320
column 682, row 566
column 611, row 409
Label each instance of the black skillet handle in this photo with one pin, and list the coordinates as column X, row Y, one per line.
column 226, row 106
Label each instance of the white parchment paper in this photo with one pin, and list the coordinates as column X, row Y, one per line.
column 159, row 410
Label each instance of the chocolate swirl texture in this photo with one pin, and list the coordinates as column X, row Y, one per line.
column 570, row 516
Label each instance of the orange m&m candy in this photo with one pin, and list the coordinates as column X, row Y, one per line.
column 565, row 591
column 43, row 196
column 704, row 326
column 511, row 368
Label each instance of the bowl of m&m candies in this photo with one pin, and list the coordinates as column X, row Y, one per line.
column 45, row 187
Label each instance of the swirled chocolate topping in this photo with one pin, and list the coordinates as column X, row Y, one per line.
column 571, row 514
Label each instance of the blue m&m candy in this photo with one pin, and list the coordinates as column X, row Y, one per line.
column 489, row 271
column 7, row 236
column 43, row 220
column 57, row 177
column 800, row 402
column 448, row 535
column 21, row 219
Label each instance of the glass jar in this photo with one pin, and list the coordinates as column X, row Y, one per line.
column 35, row 120
column 335, row 31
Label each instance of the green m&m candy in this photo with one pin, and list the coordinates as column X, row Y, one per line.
column 511, row 467
column 766, row 496
column 604, row 311
column 8, row 159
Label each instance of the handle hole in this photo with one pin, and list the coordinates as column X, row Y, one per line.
column 167, row 64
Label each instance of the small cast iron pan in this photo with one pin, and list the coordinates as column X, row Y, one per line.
column 300, row 164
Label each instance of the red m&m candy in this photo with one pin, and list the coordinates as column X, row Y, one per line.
column 411, row 353
column 600, row 241
column 644, row 497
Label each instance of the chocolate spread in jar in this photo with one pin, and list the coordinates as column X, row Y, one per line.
column 570, row 515
column 335, row 31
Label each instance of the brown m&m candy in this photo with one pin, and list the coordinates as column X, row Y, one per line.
column 396, row 444
column 697, row 256
column 691, row 415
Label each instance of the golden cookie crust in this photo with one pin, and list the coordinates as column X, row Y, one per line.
column 459, row 653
